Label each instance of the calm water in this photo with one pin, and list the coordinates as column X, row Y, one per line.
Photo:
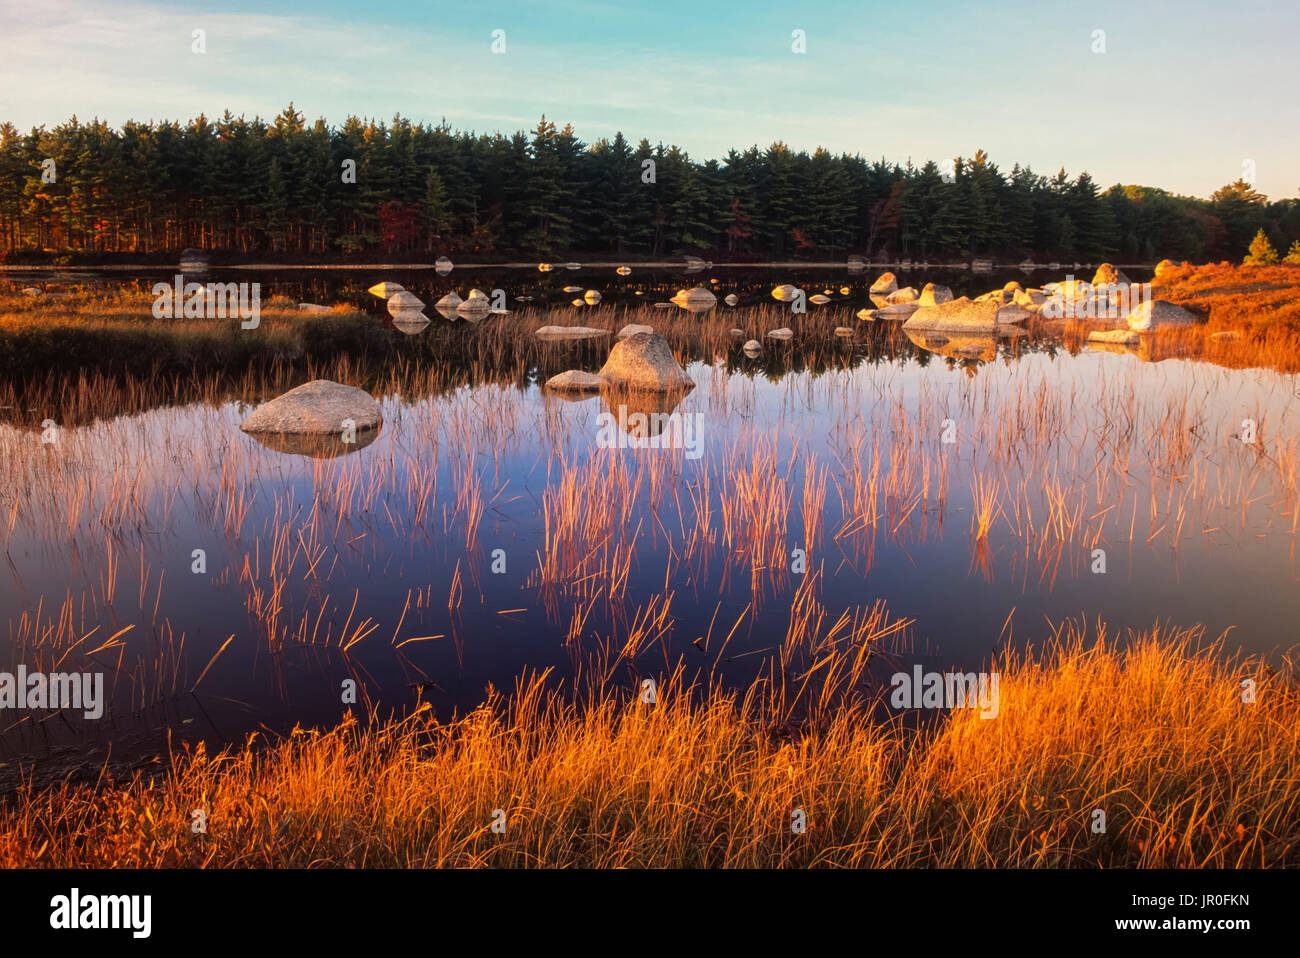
column 751, row 284
column 1197, row 527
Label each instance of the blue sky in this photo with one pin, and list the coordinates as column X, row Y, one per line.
column 1184, row 95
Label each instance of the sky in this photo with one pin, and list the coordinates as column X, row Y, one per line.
column 1186, row 96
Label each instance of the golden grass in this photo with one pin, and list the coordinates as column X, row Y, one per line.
column 1152, row 731
column 1252, row 317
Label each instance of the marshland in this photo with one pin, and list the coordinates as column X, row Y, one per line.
column 358, row 655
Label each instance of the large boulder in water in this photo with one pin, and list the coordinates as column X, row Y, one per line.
column 960, row 314
column 317, row 408
column 644, row 361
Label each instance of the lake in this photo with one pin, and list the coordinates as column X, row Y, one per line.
column 978, row 492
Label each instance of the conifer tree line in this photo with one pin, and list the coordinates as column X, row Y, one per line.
column 253, row 188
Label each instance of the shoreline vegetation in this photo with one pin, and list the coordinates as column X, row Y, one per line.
column 1150, row 729
column 89, row 332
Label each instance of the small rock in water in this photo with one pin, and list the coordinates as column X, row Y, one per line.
column 570, row 332
column 1108, row 275
column 474, row 309
column 885, row 285
column 402, row 302
column 844, row 331
column 783, row 333
column 442, row 266
column 314, row 308
column 895, row 311
column 574, row 380
column 411, row 322
column 385, row 289
column 696, row 300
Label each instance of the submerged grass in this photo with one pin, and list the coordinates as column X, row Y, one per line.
column 1151, row 730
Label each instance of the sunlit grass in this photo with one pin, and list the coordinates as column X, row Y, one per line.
column 1152, row 732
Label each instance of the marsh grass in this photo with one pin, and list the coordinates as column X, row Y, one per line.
column 1151, row 730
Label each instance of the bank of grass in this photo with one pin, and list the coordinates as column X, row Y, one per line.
column 1245, row 298
column 1154, row 733
column 1252, row 315
column 114, row 332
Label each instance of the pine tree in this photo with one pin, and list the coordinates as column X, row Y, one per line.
column 434, row 209
column 1261, row 251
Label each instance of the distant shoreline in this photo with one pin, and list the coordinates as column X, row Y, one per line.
column 611, row 264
